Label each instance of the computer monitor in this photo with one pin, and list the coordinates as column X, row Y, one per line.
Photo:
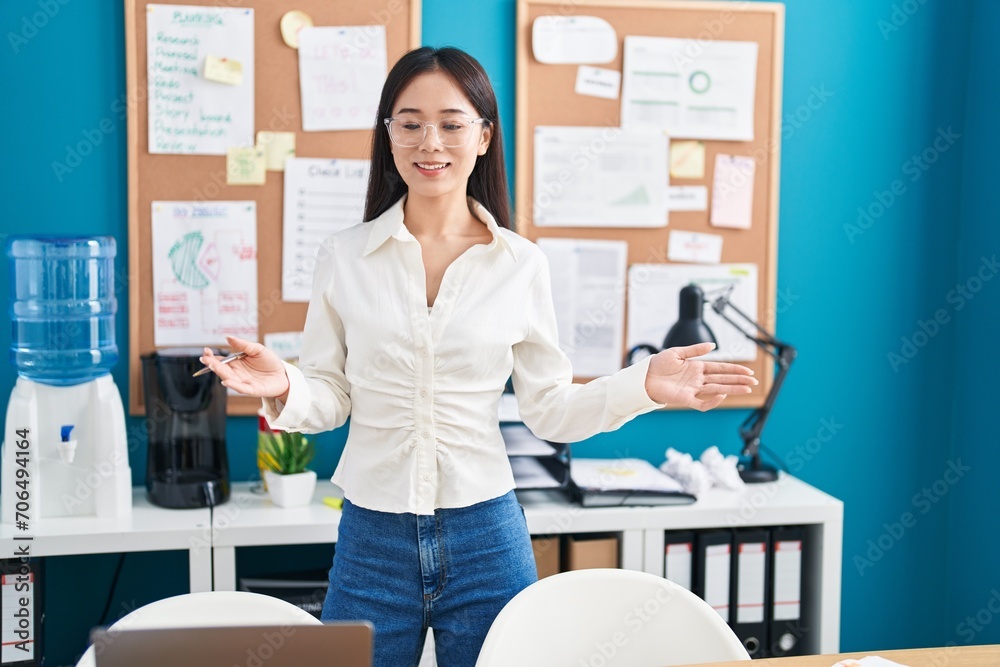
column 333, row 644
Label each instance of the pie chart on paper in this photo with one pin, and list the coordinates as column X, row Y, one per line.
column 184, row 261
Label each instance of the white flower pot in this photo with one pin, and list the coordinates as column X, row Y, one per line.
column 290, row 490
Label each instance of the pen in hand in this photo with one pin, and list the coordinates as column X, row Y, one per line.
column 231, row 357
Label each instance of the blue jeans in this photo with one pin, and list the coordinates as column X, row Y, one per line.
column 453, row 571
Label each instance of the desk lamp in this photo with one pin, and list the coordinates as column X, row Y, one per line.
column 691, row 329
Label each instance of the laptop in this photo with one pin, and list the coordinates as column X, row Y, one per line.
column 329, row 645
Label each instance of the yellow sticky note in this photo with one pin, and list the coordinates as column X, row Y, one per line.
column 245, row 166
column 687, row 159
column 224, row 70
column 278, row 147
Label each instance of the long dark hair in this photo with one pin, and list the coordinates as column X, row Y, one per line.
column 488, row 181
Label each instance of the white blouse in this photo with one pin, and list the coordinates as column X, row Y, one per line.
column 422, row 386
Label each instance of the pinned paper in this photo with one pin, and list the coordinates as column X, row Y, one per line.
column 687, row 198
column 204, row 272
column 290, row 25
column 341, row 72
column 560, row 40
column 598, row 82
column 245, row 166
column 687, row 159
column 223, row 70
column 694, row 247
column 732, row 191
column 278, row 147
column 189, row 114
column 286, row 344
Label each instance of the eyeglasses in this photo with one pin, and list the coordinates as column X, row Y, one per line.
column 450, row 132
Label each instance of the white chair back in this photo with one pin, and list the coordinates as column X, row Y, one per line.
column 605, row 617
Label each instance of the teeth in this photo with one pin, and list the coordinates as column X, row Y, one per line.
column 431, row 166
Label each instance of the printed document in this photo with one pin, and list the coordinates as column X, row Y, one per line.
column 600, row 177
column 588, row 289
column 690, row 88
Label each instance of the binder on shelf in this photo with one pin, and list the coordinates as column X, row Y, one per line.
column 789, row 626
column 750, row 589
column 712, row 565
column 678, row 557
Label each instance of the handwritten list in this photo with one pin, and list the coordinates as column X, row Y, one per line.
column 341, row 72
column 188, row 113
column 322, row 196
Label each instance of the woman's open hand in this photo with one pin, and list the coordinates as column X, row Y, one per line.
column 676, row 377
column 260, row 373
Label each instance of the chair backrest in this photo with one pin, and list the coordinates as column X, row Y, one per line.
column 604, row 617
column 211, row 608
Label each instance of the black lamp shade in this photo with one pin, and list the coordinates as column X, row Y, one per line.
column 690, row 328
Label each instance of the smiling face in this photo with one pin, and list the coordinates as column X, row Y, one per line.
column 431, row 169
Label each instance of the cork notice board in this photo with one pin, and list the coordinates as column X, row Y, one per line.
column 545, row 96
column 160, row 177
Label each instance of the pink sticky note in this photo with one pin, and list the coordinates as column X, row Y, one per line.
column 732, row 191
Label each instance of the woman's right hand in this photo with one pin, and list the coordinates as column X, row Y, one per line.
column 260, row 373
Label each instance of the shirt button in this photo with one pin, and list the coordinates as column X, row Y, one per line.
column 423, row 352
column 426, row 434
column 427, row 477
column 423, row 392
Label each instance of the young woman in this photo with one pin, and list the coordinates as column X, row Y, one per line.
column 417, row 319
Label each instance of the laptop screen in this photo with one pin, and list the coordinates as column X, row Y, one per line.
column 339, row 644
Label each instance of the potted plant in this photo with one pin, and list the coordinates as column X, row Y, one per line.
column 285, row 457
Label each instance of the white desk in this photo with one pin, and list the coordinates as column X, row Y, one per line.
column 149, row 528
column 250, row 519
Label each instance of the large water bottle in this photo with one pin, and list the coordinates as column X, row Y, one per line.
column 62, row 307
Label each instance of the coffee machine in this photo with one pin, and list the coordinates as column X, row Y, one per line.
column 187, row 465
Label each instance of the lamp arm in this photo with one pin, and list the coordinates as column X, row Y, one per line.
column 783, row 354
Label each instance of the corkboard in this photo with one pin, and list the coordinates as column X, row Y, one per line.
column 545, row 96
column 187, row 177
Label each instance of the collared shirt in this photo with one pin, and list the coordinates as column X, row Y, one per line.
column 422, row 386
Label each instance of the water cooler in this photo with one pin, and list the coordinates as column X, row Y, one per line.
column 64, row 450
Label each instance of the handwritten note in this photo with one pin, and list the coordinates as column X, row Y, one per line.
column 245, row 166
column 321, row 197
column 732, row 191
column 188, row 113
column 598, row 82
column 341, row 72
column 694, row 247
column 687, row 159
column 204, row 271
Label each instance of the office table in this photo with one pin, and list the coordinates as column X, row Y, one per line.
column 956, row 656
column 149, row 528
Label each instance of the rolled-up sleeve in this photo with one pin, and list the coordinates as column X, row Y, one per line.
column 319, row 394
column 551, row 405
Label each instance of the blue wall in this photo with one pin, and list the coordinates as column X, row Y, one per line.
column 974, row 541
column 867, row 87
